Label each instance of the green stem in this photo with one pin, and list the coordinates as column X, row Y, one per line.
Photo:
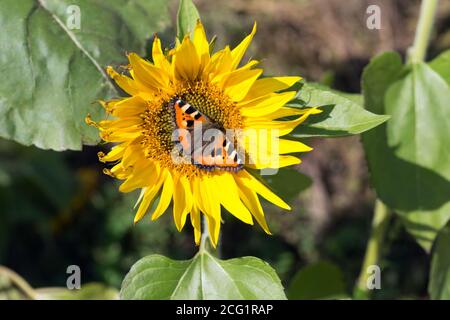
column 382, row 213
column 205, row 236
column 423, row 31
column 380, row 222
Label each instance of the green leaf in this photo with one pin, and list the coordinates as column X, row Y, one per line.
column 439, row 285
column 52, row 74
column 203, row 277
column 186, row 18
column 88, row 291
column 288, row 183
column 408, row 157
column 342, row 115
column 354, row 97
column 322, row 280
column 441, row 65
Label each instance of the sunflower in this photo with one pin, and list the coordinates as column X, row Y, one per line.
column 231, row 96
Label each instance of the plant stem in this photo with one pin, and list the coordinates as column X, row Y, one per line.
column 205, row 235
column 380, row 222
column 382, row 213
column 423, row 32
column 19, row 282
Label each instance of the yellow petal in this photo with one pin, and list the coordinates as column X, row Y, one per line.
column 198, row 190
column 238, row 83
column 121, row 124
column 196, row 224
column 158, row 56
column 182, row 201
column 286, row 161
column 165, row 198
column 208, row 202
column 129, row 107
column 147, row 74
column 251, row 200
column 132, row 154
column 118, row 171
column 272, row 161
column 213, row 228
column 276, row 163
column 288, row 112
column 283, row 127
column 238, row 52
column 289, row 146
column 266, row 104
column 221, row 79
column 268, row 85
column 252, row 183
column 143, row 176
column 115, row 154
column 264, row 151
column 109, row 105
column 149, row 197
column 122, row 135
column 141, row 196
column 186, row 61
column 230, row 199
column 219, row 64
column 201, row 44
column 127, row 84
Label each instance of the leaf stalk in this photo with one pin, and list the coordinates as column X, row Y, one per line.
column 418, row 51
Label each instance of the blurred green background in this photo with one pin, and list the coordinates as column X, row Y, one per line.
column 58, row 209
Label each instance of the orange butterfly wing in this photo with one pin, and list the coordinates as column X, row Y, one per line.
column 186, row 116
column 219, row 153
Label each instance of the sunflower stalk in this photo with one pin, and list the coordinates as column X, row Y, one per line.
column 382, row 214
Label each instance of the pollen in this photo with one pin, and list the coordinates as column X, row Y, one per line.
column 211, row 101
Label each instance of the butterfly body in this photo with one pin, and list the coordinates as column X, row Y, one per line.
column 203, row 140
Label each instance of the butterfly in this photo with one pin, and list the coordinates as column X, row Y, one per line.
column 202, row 140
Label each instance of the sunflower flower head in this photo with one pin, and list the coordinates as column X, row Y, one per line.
column 153, row 128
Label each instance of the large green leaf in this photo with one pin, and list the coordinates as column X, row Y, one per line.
column 203, row 277
column 342, row 115
column 439, row 284
column 322, row 280
column 408, row 157
column 187, row 17
column 442, row 65
column 53, row 74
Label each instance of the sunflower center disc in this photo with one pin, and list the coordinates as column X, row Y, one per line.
column 206, row 98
